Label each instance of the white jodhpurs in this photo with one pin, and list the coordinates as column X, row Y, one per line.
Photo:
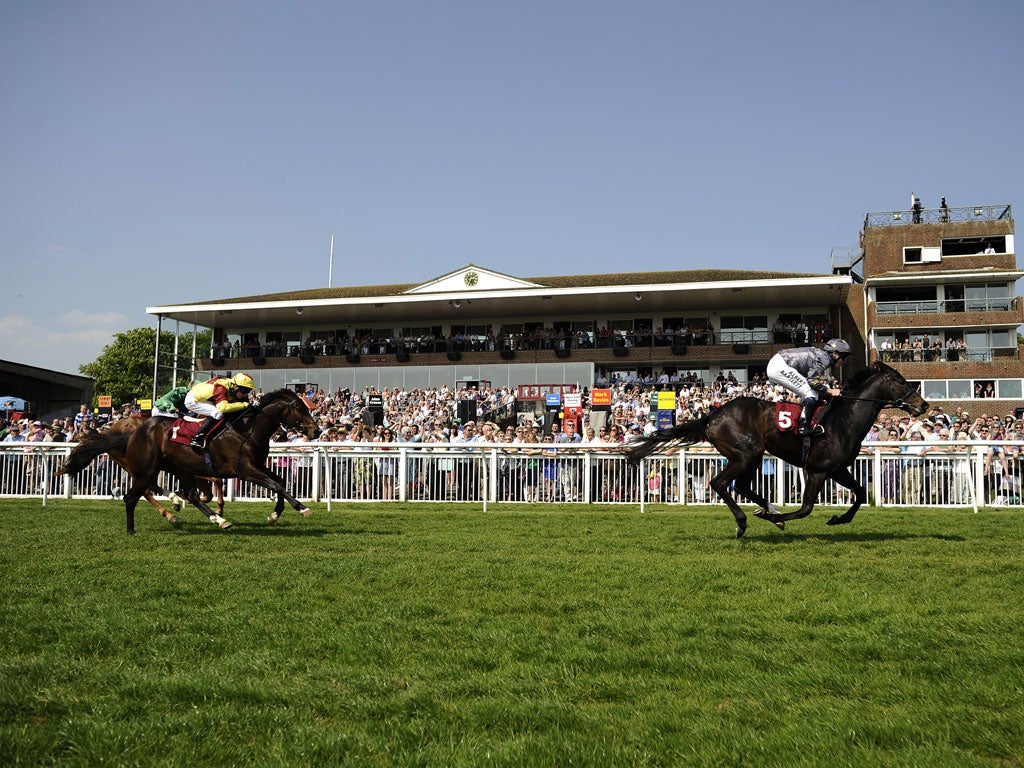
column 779, row 372
column 202, row 407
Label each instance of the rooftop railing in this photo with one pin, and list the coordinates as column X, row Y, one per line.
column 938, row 215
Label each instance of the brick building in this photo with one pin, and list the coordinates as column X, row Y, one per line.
column 939, row 301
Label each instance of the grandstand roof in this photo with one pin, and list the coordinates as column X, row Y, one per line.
column 472, row 291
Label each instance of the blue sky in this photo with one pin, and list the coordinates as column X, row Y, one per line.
column 153, row 153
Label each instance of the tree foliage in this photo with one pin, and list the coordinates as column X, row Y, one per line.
column 124, row 369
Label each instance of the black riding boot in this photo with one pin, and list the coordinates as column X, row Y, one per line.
column 199, row 439
column 803, row 426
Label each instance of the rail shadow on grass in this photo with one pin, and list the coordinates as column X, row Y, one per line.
column 785, row 537
column 278, row 531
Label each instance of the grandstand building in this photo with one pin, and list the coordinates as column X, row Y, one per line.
column 931, row 292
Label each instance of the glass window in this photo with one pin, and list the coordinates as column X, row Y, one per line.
column 934, row 390
column 1008, row 388
column 959, row 389
column 976, row 339
column 1001, row 338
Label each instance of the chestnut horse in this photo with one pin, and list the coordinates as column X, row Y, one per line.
column 207, row 486
column 744, row 428
column 239, row 449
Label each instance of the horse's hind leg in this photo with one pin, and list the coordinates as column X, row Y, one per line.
column 131, row 500
column 745, row 487
column 845, row 478
column 218, row 489
column 720, row 484
column 815, row 480
column 151, row 498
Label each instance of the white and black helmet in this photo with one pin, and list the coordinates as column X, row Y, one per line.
column 837, row 345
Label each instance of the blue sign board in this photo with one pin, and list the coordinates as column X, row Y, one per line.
column 553, row 399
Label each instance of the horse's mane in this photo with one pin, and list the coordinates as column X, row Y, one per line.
column 278, row 394
column 856, row 382
column 860, row 379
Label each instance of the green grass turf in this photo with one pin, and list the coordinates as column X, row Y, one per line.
column 530, row 636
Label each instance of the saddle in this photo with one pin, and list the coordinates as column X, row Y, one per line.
column 787, row 415
column 185, row 427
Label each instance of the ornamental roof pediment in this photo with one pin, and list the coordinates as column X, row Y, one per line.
column 472, row 278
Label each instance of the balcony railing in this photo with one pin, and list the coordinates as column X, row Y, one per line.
column 949, row 305
column 935, row 355
column 938, row 215
column 520, row 343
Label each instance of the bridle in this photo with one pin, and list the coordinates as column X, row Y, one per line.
column 280, row 421
column 899, row 402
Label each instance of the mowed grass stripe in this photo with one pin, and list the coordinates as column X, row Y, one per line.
column 426, row 635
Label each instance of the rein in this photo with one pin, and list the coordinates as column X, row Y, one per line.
column 287, row 407
column 899, row 402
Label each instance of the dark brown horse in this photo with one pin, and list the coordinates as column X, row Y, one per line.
column 743, row 429
column 208, row 487
column 239, row 449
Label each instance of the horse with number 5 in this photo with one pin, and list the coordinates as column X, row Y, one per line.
column 742, row 430
column 237, row 450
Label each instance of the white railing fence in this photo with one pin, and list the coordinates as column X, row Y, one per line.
column 949, row 474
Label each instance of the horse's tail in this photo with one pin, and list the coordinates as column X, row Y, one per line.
column 83, row 454
column 687, row 433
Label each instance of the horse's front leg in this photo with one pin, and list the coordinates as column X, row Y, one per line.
column 845, row 478
column 193, row 495
column 274, row 482
column 281, row 488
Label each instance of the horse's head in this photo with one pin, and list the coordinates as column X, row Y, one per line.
column 900, row 392
column 291, row 411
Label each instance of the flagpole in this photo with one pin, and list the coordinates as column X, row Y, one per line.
column 330, row 269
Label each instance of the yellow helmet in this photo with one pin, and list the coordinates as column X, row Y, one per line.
column 244, row 380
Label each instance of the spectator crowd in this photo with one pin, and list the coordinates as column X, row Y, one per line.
column 431, row 415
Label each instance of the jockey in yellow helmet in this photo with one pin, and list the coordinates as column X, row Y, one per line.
column 216, row 397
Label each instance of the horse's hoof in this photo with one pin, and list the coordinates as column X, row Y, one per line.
column 781, row 524
column 741, row 528
column 173, row 520
column 305, row 511
column 762, row 513
column 272, row 519
column 834, row 520
column 176, row 506
column 224, row 524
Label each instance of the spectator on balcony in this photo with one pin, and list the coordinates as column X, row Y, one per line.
column 916, row 208
column 943, row 211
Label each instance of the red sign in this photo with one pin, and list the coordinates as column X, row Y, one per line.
column 600, row 397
